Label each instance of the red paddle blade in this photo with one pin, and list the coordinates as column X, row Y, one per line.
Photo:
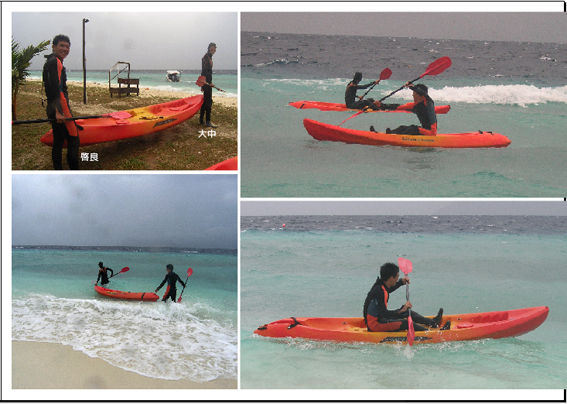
column 189, row 272
column 405, row 265
column 439, row 66
column 125, row 269
column 411, row 331
column 385, row 75
column 201, row 81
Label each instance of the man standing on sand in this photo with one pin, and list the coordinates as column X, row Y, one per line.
column 171, row 278
column 207, row 89
column 55, row 82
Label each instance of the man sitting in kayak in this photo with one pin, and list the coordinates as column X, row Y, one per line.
column 422, row 105
column 170, row 278
column 103, row 275
column 376, row 313
column 350, row 94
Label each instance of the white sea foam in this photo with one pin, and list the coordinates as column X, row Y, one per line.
column 166, row 341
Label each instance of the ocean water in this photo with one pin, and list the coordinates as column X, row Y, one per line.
column 226, row 80
column 53, row 300
column 516, row 89
column 323, row 266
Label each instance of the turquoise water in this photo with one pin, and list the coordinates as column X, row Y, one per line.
column 328, row 273
column 516, row 89
column 156, row 80
column 53, row 300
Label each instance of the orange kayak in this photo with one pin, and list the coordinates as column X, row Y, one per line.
column 496, row 324
column 118, row 294
column 323, row 131
column 336, row 107
column 138, row 121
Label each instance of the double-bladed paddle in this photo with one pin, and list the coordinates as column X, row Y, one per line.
column 189, row 273
column 115, row 115
column 201, row 81
column 406, row 267
column 439, row 66
column 385, row 75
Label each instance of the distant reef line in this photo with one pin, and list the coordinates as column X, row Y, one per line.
column 187, row 250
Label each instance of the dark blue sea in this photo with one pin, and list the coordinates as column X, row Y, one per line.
column 323, row 266
column 514, row 88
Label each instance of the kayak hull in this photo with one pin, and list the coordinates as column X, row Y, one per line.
column 230, row 164
column 497, row 324
column 337, row 107
column 118, row 294
column 142, row 121
column 325, row 132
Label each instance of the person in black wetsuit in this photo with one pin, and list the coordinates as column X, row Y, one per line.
column 375, row 310
column 422, row 105
column 103, row 275
column 351, row 97
column 55, row 83
column 207, row 89
column 171, row 278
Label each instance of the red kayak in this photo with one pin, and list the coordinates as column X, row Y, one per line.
column 323, row 131
column 230, row 164
column 496, row 324
column 133, row 122
column 118, row 294
column 332, row 106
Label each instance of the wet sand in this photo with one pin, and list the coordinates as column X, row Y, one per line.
column 40, row 365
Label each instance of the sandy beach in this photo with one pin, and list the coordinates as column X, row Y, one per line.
column 39, row 365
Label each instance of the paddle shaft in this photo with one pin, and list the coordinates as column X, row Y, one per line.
column 55, row 120
column 385, row 75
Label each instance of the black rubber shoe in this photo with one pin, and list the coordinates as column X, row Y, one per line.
column 372, row 129
column 438, row 318
column 447, row 326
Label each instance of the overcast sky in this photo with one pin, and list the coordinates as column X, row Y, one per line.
column 501, row 26
column 148, row 40
column 420, row 207
column 167, row 210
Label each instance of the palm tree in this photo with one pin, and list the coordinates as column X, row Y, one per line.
column 21, row 60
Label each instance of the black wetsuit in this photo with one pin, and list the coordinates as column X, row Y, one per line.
column 425, row 112
column 379, row 318
column 350, row 96
column 102, row 274
column 54, row 86
column 207, row 71
column 171, row 291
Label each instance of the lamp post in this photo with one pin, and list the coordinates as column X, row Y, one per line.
column 84, row 65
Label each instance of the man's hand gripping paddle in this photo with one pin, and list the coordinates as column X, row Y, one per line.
column 189, row 273
column 202, row 81
column 406, row 267
column 385, row 75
